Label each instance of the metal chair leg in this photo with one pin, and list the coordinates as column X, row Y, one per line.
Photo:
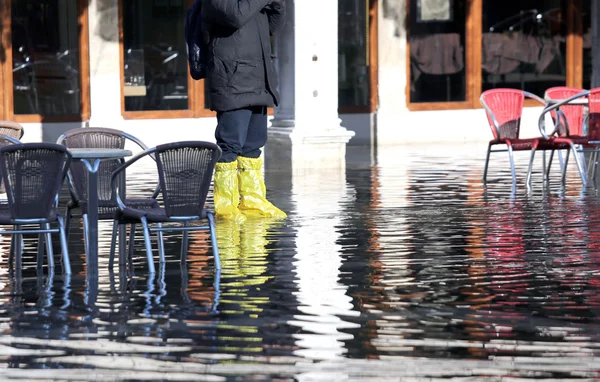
column 122, row 229
column 131, row 246
column 85, row 233
column 213, row 239
column 530, row 169
column 161, row 244
column 595, row 164
column 49, row 249
column 19, row 252
column 560, row 160
column 549, row 166
column 148, row 245
column 185, row 240
column 564, row 168
column 68, row 217
column 579, row 165
column 64, row 246
column 113, row 244
column 40, row 250
column 581, row 156
column 13, row 248
column 512, row 164
column 487, row 161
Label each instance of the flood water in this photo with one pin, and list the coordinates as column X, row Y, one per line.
column 405, row 267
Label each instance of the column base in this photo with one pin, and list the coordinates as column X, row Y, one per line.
column 290, row 147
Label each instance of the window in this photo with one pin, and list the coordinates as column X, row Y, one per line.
column 50, row 74
column 357, row 64
column 524, row 45
column 437, row 53
column 459, row 48
column 155, row 69
column 586, row 23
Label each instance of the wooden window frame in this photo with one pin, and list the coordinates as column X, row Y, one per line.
column 473, row 41
column 6, row 75
column 372, row 64
column 195, row 89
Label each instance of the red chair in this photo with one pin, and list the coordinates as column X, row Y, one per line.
column 503, row 108
column 593, row 132
column 574, row 114
column 569, row 119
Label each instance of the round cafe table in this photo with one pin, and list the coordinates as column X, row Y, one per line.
column 91, row 158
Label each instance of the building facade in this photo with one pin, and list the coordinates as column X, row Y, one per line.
column 360, row 71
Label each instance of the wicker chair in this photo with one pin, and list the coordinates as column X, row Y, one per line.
column 11, row 129
column 6, row 141
column 33, row 174
column 185, row 171
column 93, row 137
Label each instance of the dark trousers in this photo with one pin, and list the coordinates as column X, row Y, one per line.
column 241, row 132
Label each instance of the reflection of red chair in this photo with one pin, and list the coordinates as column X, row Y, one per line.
column 505, row 243
column 503, row 108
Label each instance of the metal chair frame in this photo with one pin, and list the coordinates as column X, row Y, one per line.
column 572, row 145
column 159, row 229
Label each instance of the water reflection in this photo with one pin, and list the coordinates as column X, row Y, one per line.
column 405, row 256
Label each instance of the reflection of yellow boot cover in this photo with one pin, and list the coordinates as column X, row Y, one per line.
column 227, row 195
column 253, row 192
column 244, row 261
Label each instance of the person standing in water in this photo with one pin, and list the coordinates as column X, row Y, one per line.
column 241, row 83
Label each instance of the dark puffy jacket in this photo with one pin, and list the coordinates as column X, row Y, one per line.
column 240, row 70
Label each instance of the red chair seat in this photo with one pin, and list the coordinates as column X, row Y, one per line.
column 525, row 144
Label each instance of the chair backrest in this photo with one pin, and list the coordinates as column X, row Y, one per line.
column 594, row 115
column 33, row 174
column 575, row 114
column 95, row 137
column 503, row 109
column 185, row 172
column 11, row 129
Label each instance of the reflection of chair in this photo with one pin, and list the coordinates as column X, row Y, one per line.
column 185, row 171
column 33, row 174
column 165, row 75
column 24, row 86
column 91, row 137
column 57, row 87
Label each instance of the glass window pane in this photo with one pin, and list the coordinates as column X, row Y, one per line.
column 156, row 76
column 437, row 53
column 524, row 44
column 587, row 44
column 353, row 71
column 45, row 43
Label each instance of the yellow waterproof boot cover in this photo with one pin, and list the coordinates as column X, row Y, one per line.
column 253, row 192
column 227, row 195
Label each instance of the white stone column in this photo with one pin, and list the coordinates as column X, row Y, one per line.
column 105, row 85
column 306, row 131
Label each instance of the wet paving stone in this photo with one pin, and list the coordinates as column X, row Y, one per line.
column 402, row 267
